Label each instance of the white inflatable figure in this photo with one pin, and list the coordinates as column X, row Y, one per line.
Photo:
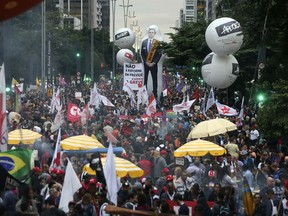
column 152, row 59
column 224, row 36
column 124, row 38
column 124, row 55
column 220, row 71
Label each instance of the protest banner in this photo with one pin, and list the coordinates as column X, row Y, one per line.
column 133, row 75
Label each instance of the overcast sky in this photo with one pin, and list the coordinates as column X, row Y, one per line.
column 163, row 13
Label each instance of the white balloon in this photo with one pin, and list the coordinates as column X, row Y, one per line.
column 220, row 71
column 124, row 38
column 224, row 36
column 124, row 55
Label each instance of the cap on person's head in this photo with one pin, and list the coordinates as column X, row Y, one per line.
column 243, row 152
column 36, row 169
column 165, row 170
column 53, row 170
column 92, row 181
column 169, row 178
column 60, row 172
column 211, row 173
column 163, row 152
column 142, row 180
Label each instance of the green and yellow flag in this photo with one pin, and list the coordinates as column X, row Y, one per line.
column 17, row 162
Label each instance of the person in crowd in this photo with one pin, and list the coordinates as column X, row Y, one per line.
column 85, row 206
column 263, row 191
column 273, row 205
column 169, row 194
column 214, row 194
column 131, row 203
column 221, row 207
column 278, row 189
column 161, row 182
column 9, row 199
column 183, row 184
column 123, row 193
column 259, row 206
column 246, row 159
column 51, row 209
column 194, row 193
column 183, row 208
column 142, row 203
column 206, row 209
column 103, row 202
column 262, row 175
column 159, row 163
column 28, row 198
column 197, row 169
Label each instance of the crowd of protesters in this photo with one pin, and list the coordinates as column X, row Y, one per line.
column 215, row 184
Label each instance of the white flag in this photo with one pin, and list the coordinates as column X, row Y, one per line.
column 94, row 97
column 241, row 114
column 106, row 101
column 165, row 92
column 210, row 100
column 185, row 105
column 151, row 105
column 130, row 93
column 225, row 110
column 55, row 163
column 58, row 120
column 55, row 102
column 70, row 186
column 202, row 107
column 110, row 176
column 3, row 116
column 142, row 97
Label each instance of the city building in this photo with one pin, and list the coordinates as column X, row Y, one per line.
column 196, row 9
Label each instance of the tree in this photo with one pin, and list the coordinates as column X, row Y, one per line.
column 272, row 114
column 188, row 47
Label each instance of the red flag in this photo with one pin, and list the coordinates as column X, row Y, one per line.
column 73, row 113
column 151, row 105
column 57, row 153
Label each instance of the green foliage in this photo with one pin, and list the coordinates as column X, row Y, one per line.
column 272, row 114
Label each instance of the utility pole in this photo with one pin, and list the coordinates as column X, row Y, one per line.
column 125, row 10
column 113, row 34
column 43, row 48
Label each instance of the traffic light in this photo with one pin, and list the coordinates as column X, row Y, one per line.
column 261, row 97
column 8, row 89
column 78, row 55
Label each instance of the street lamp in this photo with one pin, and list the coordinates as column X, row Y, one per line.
column 113, row 33
column 125, row 10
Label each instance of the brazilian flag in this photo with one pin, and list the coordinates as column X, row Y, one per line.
column 17, row 162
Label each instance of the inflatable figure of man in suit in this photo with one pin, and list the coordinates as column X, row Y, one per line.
column 151, row 54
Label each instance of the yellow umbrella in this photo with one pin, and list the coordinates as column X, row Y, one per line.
column 199, row 148
column 211, row 128
column 24, row 136
column 122, row 166
column 81, row 142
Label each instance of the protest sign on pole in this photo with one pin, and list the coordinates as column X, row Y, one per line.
column 133, row 75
